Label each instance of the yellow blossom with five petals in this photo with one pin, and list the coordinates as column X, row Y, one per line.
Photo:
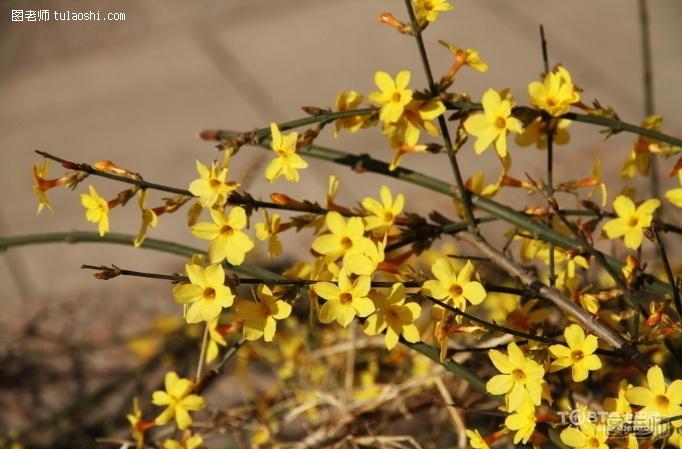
column 345, row 300
column 394, row 316
column 427, row 11
column 211, row 187
column 579, row 354
column 657, row 397
column 521, row 378
column 522, row 422
column 178, row 400
column 491, row 127
column 260, row 317
column 348, row 101
column 631, row 220
column 288, row 162
column 96, row 210
column 228, row 241
column 383, row 214
column 344, row 237
column 206, row 292
column 587, row 436
column 453, row 287
column 556, row 93
column 392, row 96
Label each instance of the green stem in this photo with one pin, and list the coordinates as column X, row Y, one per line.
column 187, row 251
column 365, row 163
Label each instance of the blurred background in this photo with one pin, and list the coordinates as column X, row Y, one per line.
column 138, row 91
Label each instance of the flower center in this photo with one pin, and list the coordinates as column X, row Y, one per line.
column 593, row 442
column 226, row 230
column 214, row 183
column 345, row 298
column 397, row 96
column 265, row 310
column 577, row 355
column 518, row 375
column 456, row 290
column 633, row 221
column 551, row 101
column 501, row 122
column 209, row 293
column 347, row 243
column 388, row 216
column 662, row 401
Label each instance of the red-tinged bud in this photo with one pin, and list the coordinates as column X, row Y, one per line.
column 493, row 437
column 537, row 211
column 388, row 267
column 678, row 165
column 110, row 167
column 285, row 200
column 209, row 134
column 388, row 19
column 511, row 182
column 143, row 426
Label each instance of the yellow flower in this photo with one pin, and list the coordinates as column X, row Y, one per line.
column 464, row 57
column 149, row 218
column 656, row 398
column 556, row 93
column 394, row 316
column 393, row 95
column 192, row 442
column 428, row 10
column 42, row 185
column 522, row 422
column 536, row 133
column 178, row 401
column 367, row 260
column 402, row 137
column 491, row 127
column 588, row 436
column 260, row 317
column 287, row 163
column 268, row 231
column 640, row 155
column 631, row 221
column 476, row 441
column 452, row 287
column 674, row 196
column 227, row 239
column 345, row 300
column 137, row 425
column 419, row 113
column 215, row 339
column 579, row 354
column 521, row 378
column 211, row 187
column 344, row 238
column 206, row 292
column 383, row 213
column 348, row 101
column 96, row 210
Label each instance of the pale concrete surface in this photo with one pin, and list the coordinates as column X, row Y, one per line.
column 137, row 92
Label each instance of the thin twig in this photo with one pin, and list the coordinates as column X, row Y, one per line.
column 442, row 123
column 668, row 271
column 565, row 304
